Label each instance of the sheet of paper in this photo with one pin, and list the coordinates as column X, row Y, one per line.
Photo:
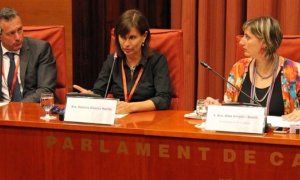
column 239, row 119
column 118, row 116
column 192, row 115
column 3, row 103
column 277, row 121
column 90, row 110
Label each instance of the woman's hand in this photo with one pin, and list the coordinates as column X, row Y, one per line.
column 123, row 107
column 293, row 116
column 82, row 90
column 210, row 100
column 130, row 107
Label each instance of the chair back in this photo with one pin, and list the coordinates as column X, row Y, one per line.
column 170, row 43
column 289, row 48
column 55, row 35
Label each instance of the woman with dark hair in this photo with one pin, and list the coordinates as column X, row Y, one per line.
column 270, row 79
column 140, row 77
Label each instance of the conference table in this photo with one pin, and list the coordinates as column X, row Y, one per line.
column 146, row 145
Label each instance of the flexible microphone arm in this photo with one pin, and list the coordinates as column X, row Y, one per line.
column 215, row 72
column 110, row 74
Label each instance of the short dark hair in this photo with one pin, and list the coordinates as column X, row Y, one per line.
column 129, row 19
column 7, row 14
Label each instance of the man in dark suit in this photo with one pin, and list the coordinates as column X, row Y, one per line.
column 27, row 65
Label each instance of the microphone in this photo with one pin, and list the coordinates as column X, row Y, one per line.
column 204, row 64
column 110, row 74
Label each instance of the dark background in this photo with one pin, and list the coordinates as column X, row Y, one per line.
column 92, row 23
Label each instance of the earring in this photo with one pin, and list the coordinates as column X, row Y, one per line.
column 262, row 50
column 143, row 43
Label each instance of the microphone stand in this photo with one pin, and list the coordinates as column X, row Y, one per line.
column 205, row 65
column 110, row 74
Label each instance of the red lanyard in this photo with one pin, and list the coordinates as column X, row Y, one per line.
column 128, row 98
column 15, row 78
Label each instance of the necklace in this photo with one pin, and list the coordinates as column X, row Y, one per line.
column 262, row 77
column 263, row 98
column 127, row 96
column 132, row 68
column 270, row 90
column 254, row 90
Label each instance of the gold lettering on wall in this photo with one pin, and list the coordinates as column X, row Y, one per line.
column 250, row 157
column 163, row 150
column 86, row 145
column 276, row 158
column 143, row 149
column 68, row 144
column 175, row 150
column 296, row 161
column 184, row 152
column 122, row 148
column 229, row 155
column 203, row 151
column 50, row 141
column 102, row 147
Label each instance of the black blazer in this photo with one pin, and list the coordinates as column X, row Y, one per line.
column 37, row 69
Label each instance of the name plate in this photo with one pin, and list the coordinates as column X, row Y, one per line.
column 90, row 110
column 239, row 119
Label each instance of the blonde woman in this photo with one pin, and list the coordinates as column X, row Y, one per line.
column 270, row 79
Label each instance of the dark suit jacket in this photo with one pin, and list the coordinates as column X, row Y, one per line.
column 37, row 69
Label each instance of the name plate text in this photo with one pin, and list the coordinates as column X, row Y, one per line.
column 240, row 119
column 90, row 110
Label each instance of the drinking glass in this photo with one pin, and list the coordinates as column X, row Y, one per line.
column 47, row 103
column 201, row 109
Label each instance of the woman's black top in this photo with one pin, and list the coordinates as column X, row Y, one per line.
column 276, row 105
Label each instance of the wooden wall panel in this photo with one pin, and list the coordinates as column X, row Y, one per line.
column 47, row 12
column 159, row 145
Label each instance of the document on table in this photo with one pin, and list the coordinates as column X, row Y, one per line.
column 3, row 103
column 118, row 116
column 277, row 121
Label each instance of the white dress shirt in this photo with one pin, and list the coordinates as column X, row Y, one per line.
column 5, row 69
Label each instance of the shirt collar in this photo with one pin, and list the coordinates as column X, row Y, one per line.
column 4, row 50
column 143, row 61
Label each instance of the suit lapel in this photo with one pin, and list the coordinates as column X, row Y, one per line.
column 24, row 59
